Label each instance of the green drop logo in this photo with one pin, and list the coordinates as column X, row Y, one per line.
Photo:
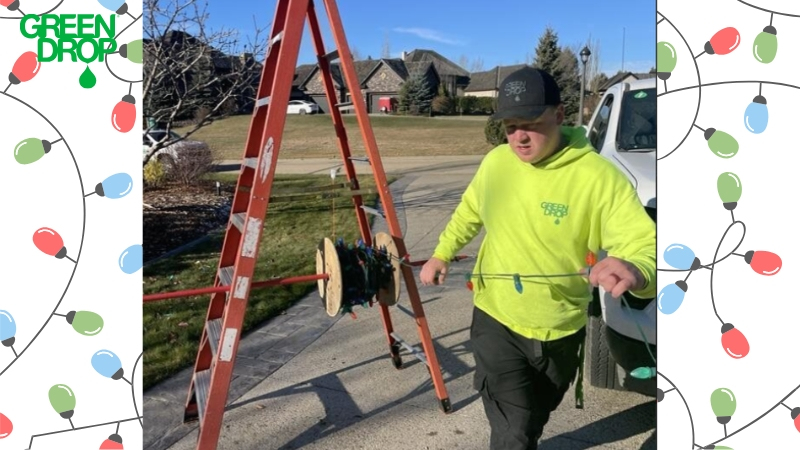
column 87, row 79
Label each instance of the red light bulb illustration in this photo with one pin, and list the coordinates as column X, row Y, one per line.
column 25, row 68
column 124, row 115
column 795, row 417
column 114, row 442
column 763, row 262
column 12, row 5
column 734, row 342
column 49, row 242
column 6, row 427
column 723, row 42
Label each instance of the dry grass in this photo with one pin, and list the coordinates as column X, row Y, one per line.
column 314, row 136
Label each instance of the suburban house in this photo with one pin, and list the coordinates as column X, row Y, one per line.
column 624, row 77
column 380, row 80
column 486, row 84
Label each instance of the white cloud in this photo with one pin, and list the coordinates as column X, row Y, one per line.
column 431, row 35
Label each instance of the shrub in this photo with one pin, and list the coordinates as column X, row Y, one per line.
column 191, row 166
column 495, row 133
column 485, row 105
column 444, row 105
column 153, row 173
column 467, row 104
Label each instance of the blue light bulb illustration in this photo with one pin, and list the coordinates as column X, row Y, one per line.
column 116, row 186
column 107, row 364
column 118, row 6
column 671, row 297
column 756, row 115
column 131, row 259
column 517, row 283
column 681, row 257
column 8, row 328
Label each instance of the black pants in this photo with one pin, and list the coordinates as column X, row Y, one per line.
column 521, row 380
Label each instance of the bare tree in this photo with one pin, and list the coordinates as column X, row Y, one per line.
column 191, row 71
column 477, row 65
column 386, row 51
column 355, row 54
column 463, row 61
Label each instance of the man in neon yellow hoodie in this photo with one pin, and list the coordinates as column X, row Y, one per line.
column 546, row 199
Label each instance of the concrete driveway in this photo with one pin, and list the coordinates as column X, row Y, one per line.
column 305, row 380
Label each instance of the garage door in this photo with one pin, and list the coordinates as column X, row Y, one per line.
column 322, row 101
column 375, row 99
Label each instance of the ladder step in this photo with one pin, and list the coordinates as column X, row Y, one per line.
column 346, row 105
column 238, row 220
column 262, row 102
column 332, row 56
column 226, row 276
column 276, row 39
column 202, row 384
column 372, row 211
column 359, row 158
column 213, row 329
column 251, row 162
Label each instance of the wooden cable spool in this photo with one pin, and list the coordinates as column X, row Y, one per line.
column 332, row 290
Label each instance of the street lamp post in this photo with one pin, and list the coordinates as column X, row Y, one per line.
column 585, row 53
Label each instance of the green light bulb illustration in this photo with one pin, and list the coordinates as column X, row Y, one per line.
column 765, row 46
column 721, row 143
column 31, row 150
column 723, row 403
column 666, row 59
column 62, row 399
column 132, row 50
column 86, row 323
column 643, row 373
column 729, row 187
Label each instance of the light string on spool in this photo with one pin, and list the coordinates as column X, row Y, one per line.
column 364, row 272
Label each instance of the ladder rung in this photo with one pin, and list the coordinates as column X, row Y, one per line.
column 213, row 330
column 332, row 56
column 413, row 350
column 202, row 384
column 251, row 162
column 226, row 276
column 262, row 102
column 346, row 105
column 238, row 220
column 372, row 211
column 360, row 158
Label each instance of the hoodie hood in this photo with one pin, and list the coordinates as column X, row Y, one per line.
column 577, row 146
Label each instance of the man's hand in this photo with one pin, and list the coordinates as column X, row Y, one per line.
column 428, row 274
column 616, row 276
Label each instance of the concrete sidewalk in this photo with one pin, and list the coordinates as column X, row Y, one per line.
column 306, row 380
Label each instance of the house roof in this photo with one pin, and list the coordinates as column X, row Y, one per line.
column 488, row 80
column 442, row 65
column 622, row 75
column 302, row 73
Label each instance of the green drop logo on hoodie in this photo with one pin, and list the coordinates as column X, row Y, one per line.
column 555, row 209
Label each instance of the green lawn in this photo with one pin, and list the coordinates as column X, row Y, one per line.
column 314, row 137
column 172, row 328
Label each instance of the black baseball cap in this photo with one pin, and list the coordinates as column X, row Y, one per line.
column 526, row 93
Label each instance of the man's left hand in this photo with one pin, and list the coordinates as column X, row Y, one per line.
column 616, row 276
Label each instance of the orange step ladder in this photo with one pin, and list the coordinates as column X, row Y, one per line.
column 213, row 369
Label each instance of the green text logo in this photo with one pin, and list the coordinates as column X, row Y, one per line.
column 555, row 209
column 84, row 37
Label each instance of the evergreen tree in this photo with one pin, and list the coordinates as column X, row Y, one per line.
column 547, row 52
column 569, row 80
column 416, row 96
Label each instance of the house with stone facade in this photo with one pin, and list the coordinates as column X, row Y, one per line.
column 485, row 84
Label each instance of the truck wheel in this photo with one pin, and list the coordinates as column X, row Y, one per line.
column 600, row 368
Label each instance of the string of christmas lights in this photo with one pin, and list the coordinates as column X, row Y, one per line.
column 729, row 187
column 114, row 441
column 13, row 5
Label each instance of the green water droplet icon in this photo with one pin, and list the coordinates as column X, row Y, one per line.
column 87, row 79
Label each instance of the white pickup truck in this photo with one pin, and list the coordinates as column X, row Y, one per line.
column 623, row 129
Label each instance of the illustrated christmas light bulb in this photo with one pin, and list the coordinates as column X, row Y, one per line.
column 666, row 59
column 118, row 6
column 763, row 262
column 86, row 323
column 131, row 259
column 681, row 257
column 132, row 51
column 723, row 42
column 49, row 241
column 721, row 143
column 8, row 329
column 643, row 373
column 671, row 297
column 114, row 442
column 765, row 47
column 517, row 283
column 756, row 116
column 25, row 68
column 729, row 188
column 123, row 117
column 107, row 364
column 31, row 150
column 12, row 5
column 796, row 418
column 116, row 186
column 62, row 399
column 723, row 403
column 6, row 426
column 734, row 342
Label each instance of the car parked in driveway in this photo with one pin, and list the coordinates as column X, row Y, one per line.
column 302, row 107
column 623, row 129
column 172, row 154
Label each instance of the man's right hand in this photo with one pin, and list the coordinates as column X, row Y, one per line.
column 428, row 275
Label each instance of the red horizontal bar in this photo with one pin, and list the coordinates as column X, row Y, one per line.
column 215, row 289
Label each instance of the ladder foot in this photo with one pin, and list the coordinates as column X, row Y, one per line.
column 445, row 406
column 397, row 361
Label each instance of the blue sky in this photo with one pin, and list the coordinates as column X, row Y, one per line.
column 495, row 31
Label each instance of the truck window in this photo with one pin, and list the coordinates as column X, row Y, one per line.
column 597, row 134
column 637, row 121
